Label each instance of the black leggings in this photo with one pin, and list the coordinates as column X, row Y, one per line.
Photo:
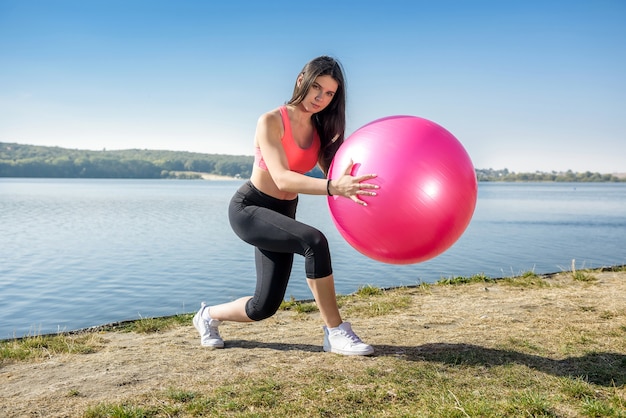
column 269, row 224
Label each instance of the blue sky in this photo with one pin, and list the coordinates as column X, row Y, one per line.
column 524, row 85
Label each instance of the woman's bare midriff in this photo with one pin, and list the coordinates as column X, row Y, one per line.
column 263, row 181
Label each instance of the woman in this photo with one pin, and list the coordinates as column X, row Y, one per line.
column 289, row 142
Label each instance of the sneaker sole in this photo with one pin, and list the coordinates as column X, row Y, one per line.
column 349, row 353
column 215, row 346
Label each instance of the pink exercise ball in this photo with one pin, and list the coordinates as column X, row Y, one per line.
column 427, row 194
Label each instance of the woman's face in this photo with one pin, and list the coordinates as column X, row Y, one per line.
column 320, row 94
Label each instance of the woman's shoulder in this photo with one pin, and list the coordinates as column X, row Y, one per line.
column 273, row 116
column 271, row 122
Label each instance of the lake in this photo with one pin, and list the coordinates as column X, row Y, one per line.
column 76, row 253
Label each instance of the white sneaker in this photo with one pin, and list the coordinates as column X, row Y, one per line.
column 342, row 340
column 209, row 334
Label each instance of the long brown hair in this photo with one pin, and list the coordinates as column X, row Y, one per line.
column 330, row 123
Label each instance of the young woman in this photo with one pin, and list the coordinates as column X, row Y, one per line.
column 289, row 142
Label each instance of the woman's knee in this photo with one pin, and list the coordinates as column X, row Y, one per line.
column 260, row 311
column 317, row 257
column 316, row 242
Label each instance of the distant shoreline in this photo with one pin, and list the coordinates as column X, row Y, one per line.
column 28, row 161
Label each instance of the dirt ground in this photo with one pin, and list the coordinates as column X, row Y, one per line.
column 475, row 315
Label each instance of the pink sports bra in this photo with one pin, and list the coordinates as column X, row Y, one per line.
column 300, row 160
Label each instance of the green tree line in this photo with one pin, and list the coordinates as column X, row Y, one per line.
column 17, row 160
column 566, row 176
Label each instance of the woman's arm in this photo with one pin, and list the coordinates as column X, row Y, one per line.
column 269, row 132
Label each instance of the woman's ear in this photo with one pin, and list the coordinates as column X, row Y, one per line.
column 299, row 80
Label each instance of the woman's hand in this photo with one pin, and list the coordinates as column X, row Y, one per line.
column 352, row 187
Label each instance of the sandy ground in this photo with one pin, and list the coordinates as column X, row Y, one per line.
column 206, row 176
column 474, row 316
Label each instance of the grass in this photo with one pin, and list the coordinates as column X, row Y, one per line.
column 82, row 342
column 370, row 301
column 151, row 325
column 301, row 307
column 44, row 346
column 388, row 389
column 584, row 275
column 477, row 278
column 365, row 302
column 516, row 377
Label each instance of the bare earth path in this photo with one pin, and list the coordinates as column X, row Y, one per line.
column 467, row 317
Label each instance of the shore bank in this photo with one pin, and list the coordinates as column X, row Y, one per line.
column 552, row 330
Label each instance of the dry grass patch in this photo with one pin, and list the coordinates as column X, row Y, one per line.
column 42, row 347
column 551, row 346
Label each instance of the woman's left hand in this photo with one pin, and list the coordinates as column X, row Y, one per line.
column 352, row 187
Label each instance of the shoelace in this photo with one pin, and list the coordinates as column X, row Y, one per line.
column 351, row 336
column 213, row 331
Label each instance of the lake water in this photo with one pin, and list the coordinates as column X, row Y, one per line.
column 76, row 253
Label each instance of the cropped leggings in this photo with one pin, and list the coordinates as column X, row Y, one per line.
column 269, row 225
